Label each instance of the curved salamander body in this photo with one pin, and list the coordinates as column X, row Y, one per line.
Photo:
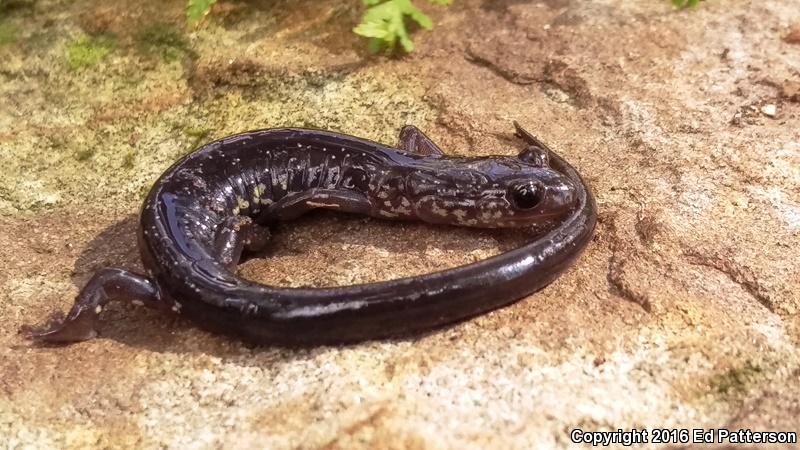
column 218, row 201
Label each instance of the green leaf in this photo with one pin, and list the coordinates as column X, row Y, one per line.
column 371, row 30
column 197, row 9
column 384, row 23
column 407, row 8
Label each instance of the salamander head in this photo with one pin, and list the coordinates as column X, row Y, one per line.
column 495, row 192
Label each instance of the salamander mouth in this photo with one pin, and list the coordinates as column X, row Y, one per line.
column 542, row 217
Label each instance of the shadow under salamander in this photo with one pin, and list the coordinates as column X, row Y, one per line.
column 156, row 331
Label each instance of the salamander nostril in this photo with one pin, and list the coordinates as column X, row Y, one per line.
column 527, row 196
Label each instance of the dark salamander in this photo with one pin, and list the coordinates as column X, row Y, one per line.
column 218, row 201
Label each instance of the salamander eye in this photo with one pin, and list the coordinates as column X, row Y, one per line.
column 527, row 196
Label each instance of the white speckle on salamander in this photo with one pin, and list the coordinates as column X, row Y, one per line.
column 313, row 311
column 436, row 209
column 176, row 307
column 402, row 210
column 283, row 180
column 98, row 309
column 257, row 191
column 322, row 205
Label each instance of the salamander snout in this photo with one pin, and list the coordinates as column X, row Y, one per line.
column 555, row 196
column 491, row 192
column 537, row 199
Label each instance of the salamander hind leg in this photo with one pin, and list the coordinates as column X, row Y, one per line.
column 107, row 285
column 237, row 234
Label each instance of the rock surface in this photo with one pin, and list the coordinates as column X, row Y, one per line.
column 683, row 312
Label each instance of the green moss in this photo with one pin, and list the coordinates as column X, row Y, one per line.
column 196, row 135
column 144, row 190
column 197, row 9
column 686, row 3
column 85, row 154
column 129, row 160
column 162, row 40
column 735, row 381
column 99, row 176
column 87, row 51
column 196, row 132
column 8, row 33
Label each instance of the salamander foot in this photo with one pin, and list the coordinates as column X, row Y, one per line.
column 109, row 284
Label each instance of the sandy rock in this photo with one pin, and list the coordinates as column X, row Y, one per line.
column 793, row 36
column 790, row 90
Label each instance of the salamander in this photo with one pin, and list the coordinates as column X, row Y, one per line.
column 220, row 200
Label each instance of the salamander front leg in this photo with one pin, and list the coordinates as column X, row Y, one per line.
column 109, row 284
column 295, row 205
column 413, row 140
column 537, row 152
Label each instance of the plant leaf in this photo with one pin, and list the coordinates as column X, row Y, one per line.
column 384, row 22
column 197, row 9
column 407, row 8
